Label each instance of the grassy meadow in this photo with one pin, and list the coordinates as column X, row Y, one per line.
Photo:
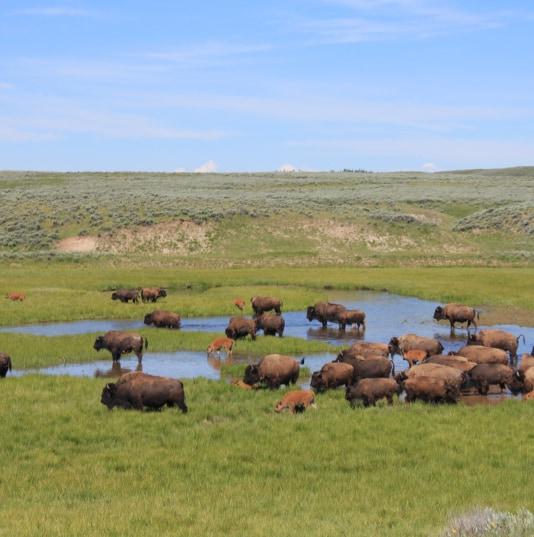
column 231, row 466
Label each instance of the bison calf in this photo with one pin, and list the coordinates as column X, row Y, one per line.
column 221, row 343
column 297, row 401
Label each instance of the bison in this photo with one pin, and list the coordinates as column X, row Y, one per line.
column 403, row 344
column 523, row 381
column 414, row 356
column 484, row 375
column 430, row 390
column 366, row 349
column 139, row 390
column 484, row 355
column 297, row 401
column 163, row 319
column 368, row 367
column 119, row 343
column 450, row 374
column 261, row 304
column 270, row 324
column 350, row 317
column 238, row 327
column 151, row 294
column 5, row 364
column 221, row 343
column 458, row 362
column 457, row 313
column 332, row 375
column 125, row 295
column 325, row 312
column 16, row 297
column 499, row 339
column 273, row 370
column 527, row 361
column 370, row 390
column 239, row 303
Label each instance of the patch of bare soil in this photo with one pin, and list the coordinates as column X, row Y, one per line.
column 77, row 244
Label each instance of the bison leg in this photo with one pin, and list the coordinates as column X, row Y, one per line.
column 139, row 355
column 342, row 327
column 482, row 387
column 324, row 323
column 452, row 326
column 389, row 397
column 116, row 355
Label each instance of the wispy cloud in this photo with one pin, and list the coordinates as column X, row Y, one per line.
column 207, row 167
column 53, row 11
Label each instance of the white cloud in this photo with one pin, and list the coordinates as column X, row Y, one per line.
column 287, row 168
column 429, row 167
column 5, row 85
column 53, row 11
column 207, row 167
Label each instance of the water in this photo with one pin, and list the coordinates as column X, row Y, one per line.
column 387, row 315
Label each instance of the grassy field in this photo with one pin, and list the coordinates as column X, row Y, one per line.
column 231, row 466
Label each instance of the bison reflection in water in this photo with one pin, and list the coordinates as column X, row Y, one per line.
column 116, row 371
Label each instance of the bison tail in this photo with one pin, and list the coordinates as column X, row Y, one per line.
column 9, row 363
column 519, row 337
column 302, row 361
column 146, row 343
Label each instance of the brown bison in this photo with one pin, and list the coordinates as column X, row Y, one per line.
column 139, row 390
column 523, row 381
column 221, row 343
column 261, row 304
column 125, row 295
column 450, row 374
column 297, row 401
column 369, row 391
column 457, row 313
column 151, row 294
column 270, row 324
column 325, row 312
column 332, row 375
column 239, row 303
column 458, row 362
column 430, row 390
column 119, row 343
column 484, row 355
column 350, row 317
column 529, row 396
column 527, row 361
column 16, row 297
column 5, row 364
column 499, row 339
column 414, row 356
column 163, row 319
column 367, row 349
column 368, row 367
column 403, row 344
column 273, row 370
column 485, row 375
column 238, row 327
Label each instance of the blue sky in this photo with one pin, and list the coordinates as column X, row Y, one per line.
column 245, row 86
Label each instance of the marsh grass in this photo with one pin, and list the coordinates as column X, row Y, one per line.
column 233, row 467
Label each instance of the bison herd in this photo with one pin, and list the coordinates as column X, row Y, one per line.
column 365, row 369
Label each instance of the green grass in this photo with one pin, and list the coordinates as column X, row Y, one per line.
column 233, row 467
column 28, row 351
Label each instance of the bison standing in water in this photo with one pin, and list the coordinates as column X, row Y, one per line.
column 240, row 328
column 350, row 317
column 151, row 294
column 125, row 295
column 139, row 390
column 119, row 343
column 484, row 355
column 163, row 319
column 403, row 344
column 297, row 401
column 457, row 313
column 270, row 324
column 485, row 375
column 273, row 370
column 325, row 312
column 430, row 390
column 261, row 304
column 5, row 364
column 499, row 339
column 365, row 349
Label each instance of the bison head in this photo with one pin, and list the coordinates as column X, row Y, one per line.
column 252, row 374
column 229, row 333
column 108, row 395
column 148, row 318
column 393, row 346
column 439, row 314
column 310, row 313
column 162, row 293
column 400, row 378
column 317, row 382
column 99, row 343
column 518, row 382
column 114, row 296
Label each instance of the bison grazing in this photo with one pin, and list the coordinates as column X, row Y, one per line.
column 5, row 364
column 239, row 303
column 119, row 343
column 484, row 355
column 261, row 304
column 350, row 317
column 240, row 328
column 221, row 343
column 403, row 344
column 151, row 294
column 368, row 367
column 163, row 319
column 16, row 297
column 369, row 391
column 332, row 375
column 499, row 339
column 139, row 391
column 325, row 312
column 430, row 390
column 270, row 324
column 273, row 370
column 457, row 313
column 125, row 295
column 297, row 401
column 485, row 375
column 523, row 381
